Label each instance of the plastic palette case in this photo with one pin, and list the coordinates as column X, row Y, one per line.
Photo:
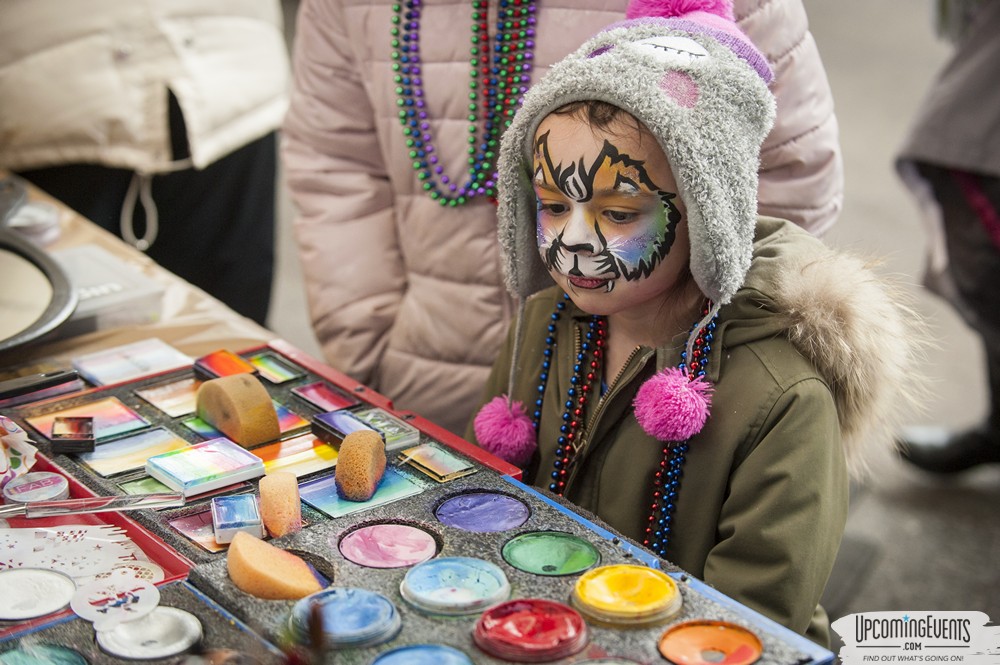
column 205, row 466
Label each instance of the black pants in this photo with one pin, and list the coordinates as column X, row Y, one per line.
column 216, row 226
column 970, row 209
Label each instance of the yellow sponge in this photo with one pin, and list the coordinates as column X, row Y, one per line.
column 239, row 406
column 360, row 465
column 265, row 571
column 280, row 506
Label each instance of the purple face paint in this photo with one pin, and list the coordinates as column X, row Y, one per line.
column 483, row 512
column 388, row 546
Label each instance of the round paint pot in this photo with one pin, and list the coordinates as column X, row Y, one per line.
column 550, row 553
column 483, row 512
column 351, row 617
column 626, row 595
column 36, row 486
column 42, row 654
column 454, row 585
column 164, row 632
column 388, row 546
column 709, row 643
column 423, row 654
column 531, row 630
column 33, row 592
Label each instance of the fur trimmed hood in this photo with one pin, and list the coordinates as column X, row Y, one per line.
column 857, row 327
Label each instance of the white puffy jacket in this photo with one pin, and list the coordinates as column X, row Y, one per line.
column 86, row 81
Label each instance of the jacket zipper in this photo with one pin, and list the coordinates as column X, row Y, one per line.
column 577, row 341
column 593, row 420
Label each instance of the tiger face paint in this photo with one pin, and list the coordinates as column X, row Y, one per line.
column 608, row 212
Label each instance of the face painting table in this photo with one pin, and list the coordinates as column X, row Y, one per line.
column 454, row 560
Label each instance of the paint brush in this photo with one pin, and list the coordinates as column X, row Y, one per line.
column 317, row 648
column 95, row 504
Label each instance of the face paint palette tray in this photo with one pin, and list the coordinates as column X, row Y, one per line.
column 470, row 506
column 153, row 415
column 185, row 616
column 542, row 546
column 476, row 538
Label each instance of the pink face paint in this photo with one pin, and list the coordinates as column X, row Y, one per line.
column 388, row 546
column 325, row 397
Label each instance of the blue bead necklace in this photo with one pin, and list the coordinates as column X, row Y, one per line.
column 667, row 479
column 496, row 87
column 586, row 368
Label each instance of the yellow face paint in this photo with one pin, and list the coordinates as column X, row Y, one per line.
column 626, row 594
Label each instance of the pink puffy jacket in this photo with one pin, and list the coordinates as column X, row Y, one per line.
column 407, row 296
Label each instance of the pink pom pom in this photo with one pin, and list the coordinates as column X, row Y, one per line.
column 672, row 408
column 504, row 429
column 673, row 8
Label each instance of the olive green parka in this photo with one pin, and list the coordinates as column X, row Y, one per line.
column 764, row 494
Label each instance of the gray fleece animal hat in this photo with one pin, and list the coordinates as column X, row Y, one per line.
column 699, row 85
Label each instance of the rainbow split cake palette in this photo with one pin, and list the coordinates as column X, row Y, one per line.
column 451, row 561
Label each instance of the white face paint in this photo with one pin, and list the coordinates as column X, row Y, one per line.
column 671, row 50
column 608, row 214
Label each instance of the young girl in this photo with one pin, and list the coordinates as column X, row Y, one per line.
column 698, row 377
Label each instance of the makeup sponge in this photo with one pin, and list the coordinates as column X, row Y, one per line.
column 280, row 506
column 240, row 407
column 265, row 571
column 360, row 465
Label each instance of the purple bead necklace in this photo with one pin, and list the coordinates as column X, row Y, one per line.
column 498, row 79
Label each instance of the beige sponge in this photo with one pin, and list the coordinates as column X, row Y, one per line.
column 280, row 506
column 240, row 407
column 360, row 465
column 265, row 571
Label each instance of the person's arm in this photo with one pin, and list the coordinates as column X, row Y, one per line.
column 345, row 227
column 801, row 171
column 780, row 526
